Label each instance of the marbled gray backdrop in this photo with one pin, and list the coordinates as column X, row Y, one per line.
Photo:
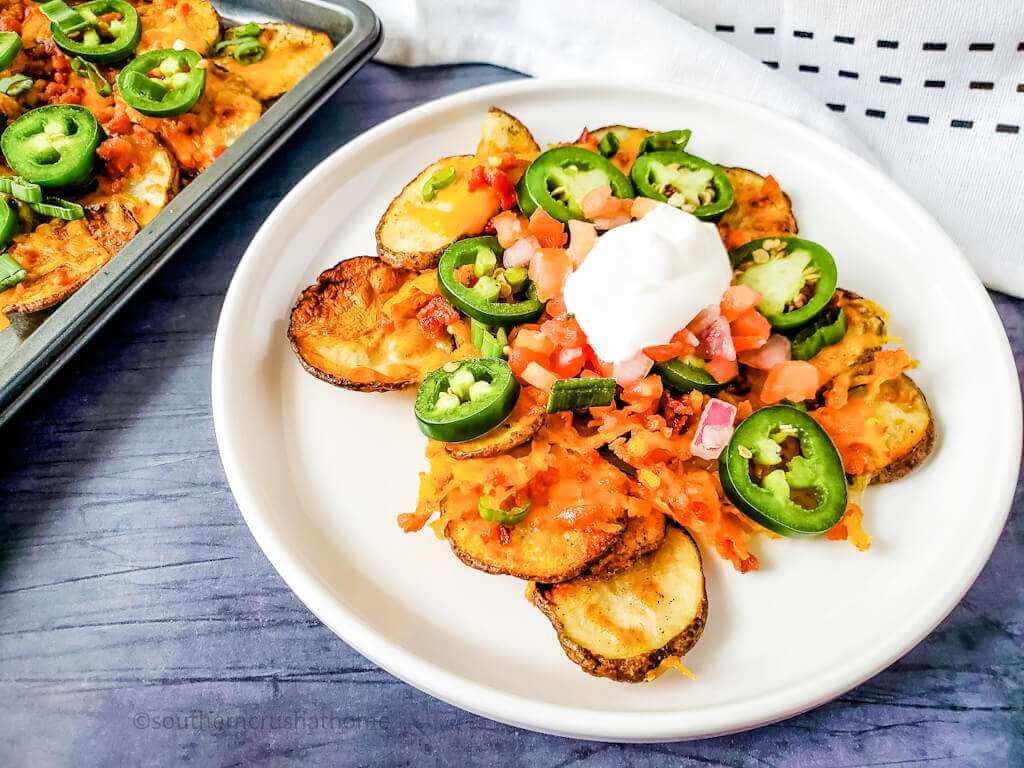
column 131, row 588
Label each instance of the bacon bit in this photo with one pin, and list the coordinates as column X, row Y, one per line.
column 509, row 226
column 677, row 411
column 481, row 176
column 549, row 231
column 435, row 317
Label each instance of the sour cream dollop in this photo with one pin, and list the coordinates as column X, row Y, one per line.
column 646, row 280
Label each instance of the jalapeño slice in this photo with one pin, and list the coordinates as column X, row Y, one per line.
column 683, row 181
column 559, row 179
column 53, row 146
column 465, row 399
column 163, row 83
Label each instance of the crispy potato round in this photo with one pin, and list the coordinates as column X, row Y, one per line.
column 522, row 424
column 60, row 256
column 225, row 111
column 760, row 209
column 865, row 335
column 164, row 22
column 642, row 535
column 291, row 53
column 140, row 171
column 502, row 133
column 629, row 138
column 908, row 429
column 624, row 626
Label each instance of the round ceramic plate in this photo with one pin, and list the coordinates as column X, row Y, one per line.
column 320, row 473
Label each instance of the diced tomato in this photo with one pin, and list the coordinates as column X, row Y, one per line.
column 647, row 388
column 481, row 176
column 534, row 340
column 641, row 206
column 663, row 352
column 550, row 232
column 564, row 333
column 599, row 203
column 520, row 357
column 509, row 226
column 538, row 376
column 737, row 300
column 599, row 365
column 435, row 316
column 582, row 237
column 548, row 269
column 604, row 223
column 794, row 380
column 722, row 370
column 568, row 362
column 556, row 308
column 751, row 323
column 586, row 139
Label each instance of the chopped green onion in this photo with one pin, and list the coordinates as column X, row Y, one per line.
column 485, row 263
column 516, row 277
column 502, row 516
column 10, row 44
column 577, row 394
column 461, row 382
column 11, row 272
column 490, row 343
column 252, row 29
column 15, row 85
column 149, row 87
column 487, row 288
column 439, row 180
column 67, row 19
column 88, row 70
column 56, row 208
column 608, row 145
column 244, row 50
column 22, row 190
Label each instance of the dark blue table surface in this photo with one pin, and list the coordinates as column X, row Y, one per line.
column 140, row 625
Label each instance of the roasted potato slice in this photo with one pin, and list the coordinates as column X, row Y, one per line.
column 413, row 232
column 761, row 209
column 60, row 256
column 138, row 170
column 906, row 433
column 356, row 328
column 522, row 424
column 164, row 22
column 225, row 111
column 865, row 335
column 629, row 143
column 624, row 626
column 291, row 54
column 546, row 554
column 643, row 534
column 504, row 134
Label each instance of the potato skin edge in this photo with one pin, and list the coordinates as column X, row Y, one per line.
column 903, row 466
column 337, row 381
column 635, row 668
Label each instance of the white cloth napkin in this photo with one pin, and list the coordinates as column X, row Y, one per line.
column 932, row 90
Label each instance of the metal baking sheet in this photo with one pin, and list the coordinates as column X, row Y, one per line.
column 35, row 346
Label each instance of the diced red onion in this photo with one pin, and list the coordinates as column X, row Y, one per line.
column 776, row 350
column 704, row 318
column 630, row 371
column 714, row 429
column 521, row 252
column 716, row 340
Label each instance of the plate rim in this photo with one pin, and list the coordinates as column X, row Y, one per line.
column 584, row 723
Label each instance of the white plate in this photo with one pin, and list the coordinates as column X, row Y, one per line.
column 320, row 474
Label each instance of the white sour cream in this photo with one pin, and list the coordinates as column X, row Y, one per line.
column 646, row 280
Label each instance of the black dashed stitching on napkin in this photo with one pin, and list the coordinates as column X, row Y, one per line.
column 847, row 40
column 934, row 83
column 1004, row 128
column 890, row 79
column 802, row 33
column 772, row 64
column 888, row 44
column 933, row 47
column 875, row 113
column 1020, row 45
column 764, row 30
column 1020, row 87
column 981, row 47
column 848, row 73
column 724, row 28
column 961, row 123
column 836, row 107
column 809, row 68
column 981, row 85
column 922, row 119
